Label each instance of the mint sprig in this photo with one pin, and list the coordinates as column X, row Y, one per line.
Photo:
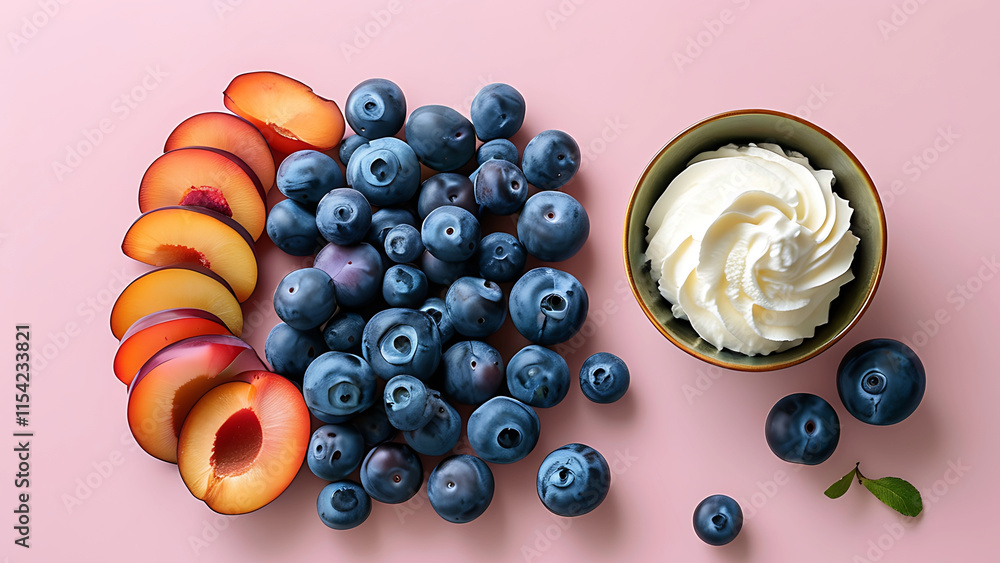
column 894, row 492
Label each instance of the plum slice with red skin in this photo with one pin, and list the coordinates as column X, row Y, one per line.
column 209, row 178
column 155, row 331
column 287, row 112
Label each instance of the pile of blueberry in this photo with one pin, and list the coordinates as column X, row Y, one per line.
column 407, row 289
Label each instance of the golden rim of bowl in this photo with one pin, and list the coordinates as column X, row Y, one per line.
column 736, row 366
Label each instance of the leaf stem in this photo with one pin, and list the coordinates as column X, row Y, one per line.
column 857, row 470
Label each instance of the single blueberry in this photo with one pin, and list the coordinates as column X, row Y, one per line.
column 402, row 341
column 553, row 226
column 604, row 378
column 305, row 298
column 385, row 170
column 356, row 271
column 451, row 233
column 335, row 450
column 442, row 138
column 306, row 176
column 343, row 505
column 550, row 160
column 291, row 226
column 500, row 187
column 881, row 381
column 392, row 473
column 375, row 108
column 503, row 430
column 802, row 428
column 404, row 286
column 476, row 306
column 538, row 376
column 573, row 480
column 343, row 332
column 290, row 351
column 497, row 112
column 446, row 188
column 338, row 385
column 548, row 306
column 718, row 520
column 403, row 244
column 473, row 372
column 501, row 257
column 343, row 216
column 460, row 488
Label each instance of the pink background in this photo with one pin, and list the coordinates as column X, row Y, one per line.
column 922, row 90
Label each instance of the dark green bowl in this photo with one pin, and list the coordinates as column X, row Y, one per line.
column 823, row 151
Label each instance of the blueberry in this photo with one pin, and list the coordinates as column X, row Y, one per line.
column 501, row 149
column 538, row 376
column 291, row 226
column 500, row 187
column 881, row 381
column 718, row 520
column 348, row 146
column 548, row 306
column 338, row 385
column 476, row 306
column 335, row 450
column 392, row 473
column 573, row 480
column 343, row 216
column 501, row 257
column 438, row 310
column 375, row 108
column 553, row 226
column 404, row 286
column 306, row 176
column 497, row 112
column 356, row 271
column 503, row 430
column 343, row 332
column 374, row 426
column 402, row 341
column 442, row 272
column 451, row 233
column 403, row 244
column 343, row 505
column 384, row 220
column 473, row 372
column 460, row 488
column 290, row 351
column 407, row 402
column 305, row 298
column 802, row 428
column 604, row 378
column 443, row 139
column 441, row 432
column 446, row 188
column 550, row 159
column 385, row 170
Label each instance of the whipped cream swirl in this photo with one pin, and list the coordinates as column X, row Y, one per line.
column 750, row 244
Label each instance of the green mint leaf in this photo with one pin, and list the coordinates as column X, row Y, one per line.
column 838, row 489
column 895, row 493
